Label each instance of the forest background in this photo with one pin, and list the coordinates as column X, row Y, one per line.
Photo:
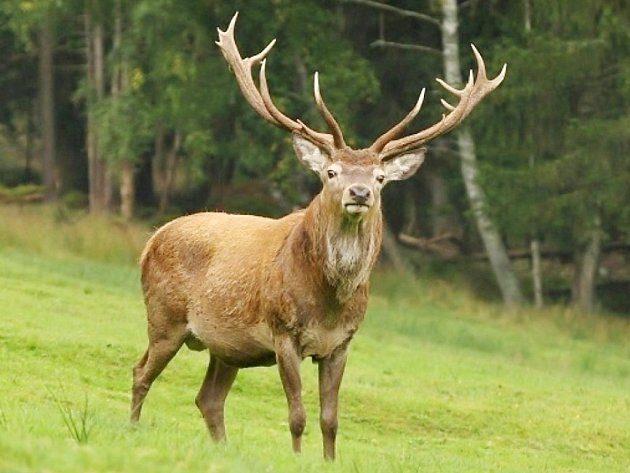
column 126, row 107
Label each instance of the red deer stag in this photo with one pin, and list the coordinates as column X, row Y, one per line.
column 256, row 291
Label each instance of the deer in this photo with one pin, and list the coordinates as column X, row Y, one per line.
column 257, row 291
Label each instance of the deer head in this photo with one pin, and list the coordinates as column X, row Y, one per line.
column 353, row 178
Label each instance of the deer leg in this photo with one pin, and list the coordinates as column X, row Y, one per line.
column 289, row 361
column 330, row 373
column 211, row 397
column 161, row 350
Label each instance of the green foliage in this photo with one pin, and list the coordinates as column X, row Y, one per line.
column 125, row 130
column 75, row 200
column 25, row 15
column 556, row 140
column 181, row 83
column 20, row 191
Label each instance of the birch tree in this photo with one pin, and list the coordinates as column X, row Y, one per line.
column 497, row 254
column 491, row 238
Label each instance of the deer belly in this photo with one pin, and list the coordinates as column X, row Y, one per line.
column 321, row 342
column 237, row 346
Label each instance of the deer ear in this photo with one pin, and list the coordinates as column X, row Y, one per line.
column 312, row 156
column 404, row 166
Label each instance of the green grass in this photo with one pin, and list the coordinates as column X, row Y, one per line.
column 436, row 381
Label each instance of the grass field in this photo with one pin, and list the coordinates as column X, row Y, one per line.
column 436, row 381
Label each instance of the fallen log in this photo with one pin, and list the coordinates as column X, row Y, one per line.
column 444, row 247
column 441, row 245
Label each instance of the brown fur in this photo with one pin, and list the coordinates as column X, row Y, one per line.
column 238, row 280
column 240, row 285
column 256, row 291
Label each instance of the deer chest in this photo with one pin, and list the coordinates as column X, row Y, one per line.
column 320, row 342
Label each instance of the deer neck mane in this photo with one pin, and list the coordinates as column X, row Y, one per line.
column 341, row 250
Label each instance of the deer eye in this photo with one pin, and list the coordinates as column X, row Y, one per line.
column 331, row 174
column 380, row 178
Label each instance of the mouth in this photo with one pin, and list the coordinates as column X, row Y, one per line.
column 356, row 209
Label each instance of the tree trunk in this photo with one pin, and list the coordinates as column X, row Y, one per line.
column 442, row 220
column 28, row 148
column 586, row 264
column 98, row 175
column 108, row 185
column 120, row 84
column 172, row 159
column 90, row 134
column 527, row 16
column 127, row 168
column 537, row 273
column 535, row 248
column 47, row 107
column 127, row 189
column 535, row 243
column 157, row 161
column 497, row 254
column 99, row 84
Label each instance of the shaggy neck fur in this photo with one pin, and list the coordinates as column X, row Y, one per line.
column 344, row 249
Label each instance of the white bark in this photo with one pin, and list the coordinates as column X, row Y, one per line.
column 527, row 15
column 497, row 254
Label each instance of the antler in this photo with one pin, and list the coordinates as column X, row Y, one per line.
column 260, row 99
column 472, row 93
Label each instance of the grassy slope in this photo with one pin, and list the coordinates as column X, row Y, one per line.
column 435, row 382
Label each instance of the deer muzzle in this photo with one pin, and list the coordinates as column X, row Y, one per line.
column 357, row 199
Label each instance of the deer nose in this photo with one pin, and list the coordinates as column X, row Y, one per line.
column 360, row 194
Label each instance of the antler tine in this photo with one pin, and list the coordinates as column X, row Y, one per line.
column 260, row 99
column 269, row 105
column 393, row 132
column 242, row 68
column 483, row 85
column 447, row 123
column 334, row 127
column 457, row 113
column 481, row 65
column 261, row 56
column 449, row 87
column 473, row 92
column 322, row 139
column 447, row 105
